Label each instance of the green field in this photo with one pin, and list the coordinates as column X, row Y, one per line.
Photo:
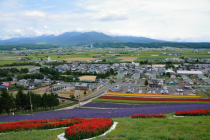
column 169, row 128
column 8, row 58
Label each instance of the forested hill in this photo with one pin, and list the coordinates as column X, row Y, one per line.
column 153, row 45
column 26, row 46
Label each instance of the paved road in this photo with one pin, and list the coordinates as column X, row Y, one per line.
column 97, row 93
column 101, row 91
column 89, row 98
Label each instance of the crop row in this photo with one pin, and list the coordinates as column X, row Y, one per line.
column 152, row 99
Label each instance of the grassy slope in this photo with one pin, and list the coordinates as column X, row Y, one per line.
column 135, row 129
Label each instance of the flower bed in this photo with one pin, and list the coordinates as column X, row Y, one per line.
column 38, row 124
column 153, row 99
column 204, row 112
column 88, row 128
column 153, row 95
column 148, row 116
column 108, row 113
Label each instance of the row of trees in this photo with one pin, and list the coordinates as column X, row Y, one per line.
column 151, row 45
column 21, row 64
column 8, row 73
column 21, row 102
column 30, row 76
column 26, row 46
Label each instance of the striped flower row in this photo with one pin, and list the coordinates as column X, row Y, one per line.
column 153, row 99
column 205, row 112
column 153, row 95
column 38, row 124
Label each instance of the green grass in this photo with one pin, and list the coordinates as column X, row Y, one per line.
column 2, row 62
column 66, row 105
column 32, row 135
column 36, row 111
column 169, row 128
column 143, row 102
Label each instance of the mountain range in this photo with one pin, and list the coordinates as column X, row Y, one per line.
column 74, row 38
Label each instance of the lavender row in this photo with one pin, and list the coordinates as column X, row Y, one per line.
column 108, row 113
column 114, row 105
column 121, row 105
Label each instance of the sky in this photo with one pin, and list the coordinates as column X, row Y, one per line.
column 172, row 20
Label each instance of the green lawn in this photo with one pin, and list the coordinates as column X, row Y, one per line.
column 169, row 128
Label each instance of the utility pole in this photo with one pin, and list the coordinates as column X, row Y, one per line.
column 30, row 97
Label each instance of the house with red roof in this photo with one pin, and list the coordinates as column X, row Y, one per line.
column 7, row 85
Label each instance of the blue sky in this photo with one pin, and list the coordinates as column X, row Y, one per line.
column 175, row 20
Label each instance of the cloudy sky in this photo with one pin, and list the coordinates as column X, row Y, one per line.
column 177, row 20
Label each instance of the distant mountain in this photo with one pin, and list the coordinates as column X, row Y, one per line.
column 137, row 39
column 78, row 38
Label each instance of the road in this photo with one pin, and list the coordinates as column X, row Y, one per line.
column 101, row 91
column 89, row 98
column 97, row 93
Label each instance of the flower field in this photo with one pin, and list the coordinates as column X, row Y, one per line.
column 152, row 99
column 77, row 128
column 88, row 128
column 205, row 112
column 38, row 124
column 152, row 95
column 148, row 116
column 108, row 113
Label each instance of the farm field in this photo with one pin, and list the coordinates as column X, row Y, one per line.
column 79, row 59
column 19, row 67
column 143, row 102
column 130, row 59
column 156, row 54
column 93, row 78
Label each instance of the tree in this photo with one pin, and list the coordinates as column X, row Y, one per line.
column 146, row 82
column 72, row 96
column 44, row 101
column 85, row 92
column 20, row 99
column 7, row 101
column 168, row 74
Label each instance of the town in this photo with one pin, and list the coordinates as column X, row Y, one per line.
column 104, row 70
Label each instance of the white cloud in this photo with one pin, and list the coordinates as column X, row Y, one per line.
column 34, row 14
column 109, row 16
column 27, row 32
column 162, row 19
column 45, row 27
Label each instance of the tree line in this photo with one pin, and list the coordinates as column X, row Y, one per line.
column 26, row 46
column 21, row 64
column 55, row 75
column 8, row 73
column 21, row 101
column 152, row 45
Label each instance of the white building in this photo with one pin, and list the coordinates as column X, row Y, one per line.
column 189, row 72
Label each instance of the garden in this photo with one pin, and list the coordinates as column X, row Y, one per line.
column 170, row 120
